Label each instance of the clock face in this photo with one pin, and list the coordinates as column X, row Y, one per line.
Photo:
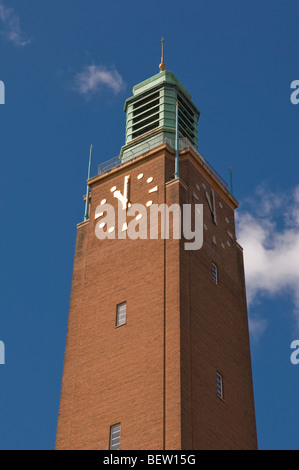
column 214, row 210
column 125, row 195
column 133, row 213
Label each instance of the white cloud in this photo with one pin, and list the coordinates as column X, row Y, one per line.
column 269, row 234
column 94, row 78
column 257, row 326
column 11, row 29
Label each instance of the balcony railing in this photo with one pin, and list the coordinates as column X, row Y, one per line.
column 109, row 164
column 183, row 143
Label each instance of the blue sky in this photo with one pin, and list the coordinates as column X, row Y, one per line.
column 68, row 67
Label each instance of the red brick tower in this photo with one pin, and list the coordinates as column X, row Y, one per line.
column 157, row 353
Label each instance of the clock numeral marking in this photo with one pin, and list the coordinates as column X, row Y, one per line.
column 99, row 214
column 153, row 190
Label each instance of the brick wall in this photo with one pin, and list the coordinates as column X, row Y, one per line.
column 157, row 374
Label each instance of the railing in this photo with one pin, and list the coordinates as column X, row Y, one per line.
column 225, row 184
column 109, row 164
column 183, row 143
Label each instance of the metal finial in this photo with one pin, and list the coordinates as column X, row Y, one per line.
column 86, row 215
column 162, row 66
column 177, row 173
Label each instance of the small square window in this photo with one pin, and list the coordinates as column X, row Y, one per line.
column 215, row 273
column 219, row 385
column 115, row 437
column 121, row 314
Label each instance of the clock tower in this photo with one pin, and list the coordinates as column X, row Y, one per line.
column 157, row 353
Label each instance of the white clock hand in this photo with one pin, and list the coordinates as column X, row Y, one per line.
column 212, row 205
column 123, row 198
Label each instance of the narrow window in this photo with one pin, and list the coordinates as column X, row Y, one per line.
column 219, row 386
column 121, row 314
column 215, row 273
column 115, row 437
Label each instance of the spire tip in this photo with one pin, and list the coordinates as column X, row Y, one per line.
column 162, row 66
